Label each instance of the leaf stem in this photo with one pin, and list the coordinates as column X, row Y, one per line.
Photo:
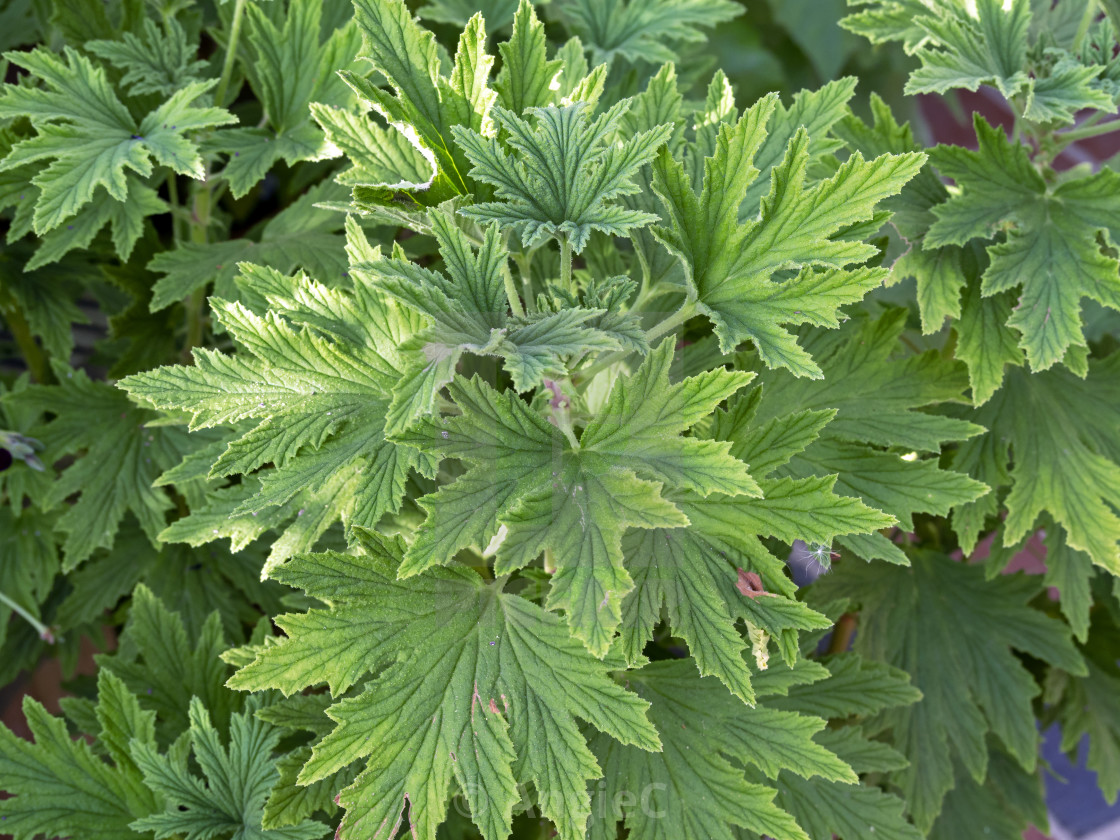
column 1088, row 131
column 196, row 302
column 687, row 310
column 565, row 264
column 843, row 633
column 511, row 291
column 525, row 269
column 33, row 355
column 44, row 632
column 564, row 423
column 203, row 196
column 1086, row 21
column 173, row 197
column 231, row 53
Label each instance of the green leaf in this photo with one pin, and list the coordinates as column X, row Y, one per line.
column 498, row 14
column 1051, row 248
column 691, row 789
column 381, row 158
column 886, row 414
column 565, row 171
column 881, row 21
column 643, row 30
column 90, row 138
column 954, row 632
column 468, row 311
column 290, row 803
column 317, row 387
column 238, row 778
column 827, row 808
column 940, row 273
column 461, row 669
column 59, row 787
column 166, row 669
column 121, row 458
column 877, row 396
column 817, row 111
column 812, row 26
column 302, row 235
column 292, row 66
column 526, row 76
column 986, row 344
column 1089, row 707
column 731, row 266
column 160, row 62
column 697, row 573
column 1068, row 89
column 1066, row 458
column 1071, row 573
column 966, row 48
column 854, row 686
column 993, row 807
column 573, row 501
column 424, row 104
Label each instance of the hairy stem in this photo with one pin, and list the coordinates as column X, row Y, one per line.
column 44, row 632
column 525, row 269
column 33, row 355
column 173, row 197
column 196, row 302
column 565, row 264
column 511, row 291
column 231, row 53
column 843, row 633
column 1087, row 18
column 687, row 310
column 1088, row 131
column 203, row 196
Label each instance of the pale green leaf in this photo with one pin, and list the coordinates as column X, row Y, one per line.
column 564, row 171
column 461, row 668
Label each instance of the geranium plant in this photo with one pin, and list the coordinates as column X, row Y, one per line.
column 470, row 392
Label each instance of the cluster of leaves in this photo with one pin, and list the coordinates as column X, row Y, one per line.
column 516, row 377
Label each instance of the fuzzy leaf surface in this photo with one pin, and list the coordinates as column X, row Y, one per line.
column 730, row 266
column 577, row 503
column 564, row 171
column 953, row 632
column 468, row 677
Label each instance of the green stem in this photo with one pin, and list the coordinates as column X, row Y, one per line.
column 1017, row 125
column 1088, row 131
column 511, row 291
column 910, row 343
column 33, row 354
column 525, row 269
column 564, row 423
column 196, row 315
column 687, row 310
column 1086, row 21
column 565, row 264
column 843, row 633
column 196, row 302
column 44, row 632
column 203, row 195
column 173, row 196
column 231, row 53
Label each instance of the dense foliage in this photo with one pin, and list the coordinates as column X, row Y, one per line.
column 470, row 384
